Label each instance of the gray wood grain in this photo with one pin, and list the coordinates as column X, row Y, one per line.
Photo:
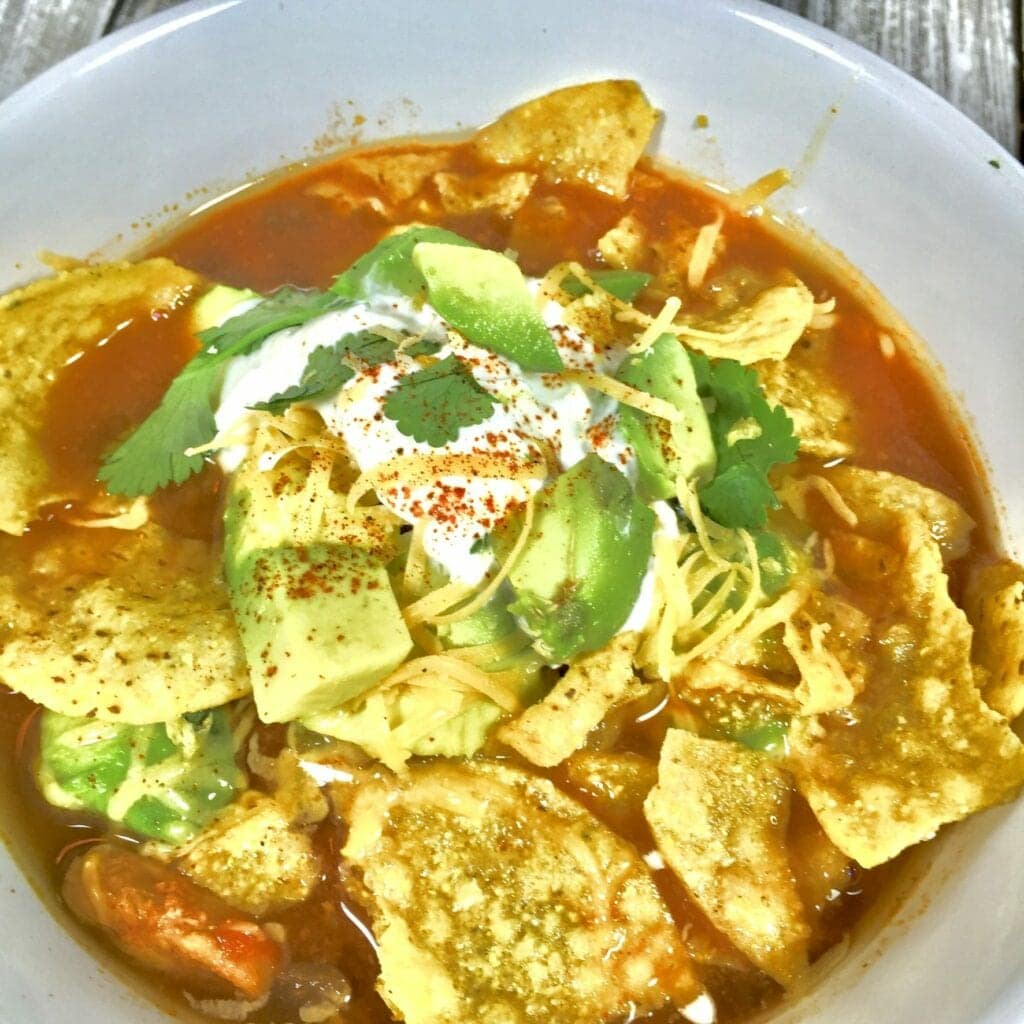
column 966, row 50
column 130, row 11
column 37, row 33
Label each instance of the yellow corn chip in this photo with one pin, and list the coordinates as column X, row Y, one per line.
column 591, row 134
column 549, row 731
column 719, row 815
column 887, row 504
column 825, row 638
column 399, row 176
column 994, row 603
column 918, row 748
column 497, row 899
column 44, row 325
column 766, row 328
column 821, row 414
column 503, row 192
column 144, row 634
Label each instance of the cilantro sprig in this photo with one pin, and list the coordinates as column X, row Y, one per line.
column 325, row 372
column 154, row 455
column 750, row 437
column 623, row 284
column 434, row 404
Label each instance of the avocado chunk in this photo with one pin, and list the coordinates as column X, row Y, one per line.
column 164, row 782
column 388, row 266
column 583, row 563
column 666, row 452
column 483, row 295
column 212, row 309
column 312, row 597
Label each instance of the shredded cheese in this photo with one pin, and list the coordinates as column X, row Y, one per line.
column 625, row 394
column 423, row 470
column 661, row 324
column 703, row 251
column 794, row 491
column 443, row 671
column 757, row 192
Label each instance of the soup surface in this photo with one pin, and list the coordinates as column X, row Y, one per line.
column 572, row 614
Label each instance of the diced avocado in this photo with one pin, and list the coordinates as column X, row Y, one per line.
column 162, row 781
column 483, row 295
column 311, row 593
column 666, row 452
column 388, row 266
column 212, row 309
column 580, row 572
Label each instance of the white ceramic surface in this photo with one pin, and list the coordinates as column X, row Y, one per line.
column 211, row 92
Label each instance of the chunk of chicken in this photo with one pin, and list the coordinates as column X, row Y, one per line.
column 165, row 921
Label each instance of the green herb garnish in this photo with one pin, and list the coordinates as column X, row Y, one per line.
column 434, row 404
column 623, row 284
column 154, row 455
column 325, row 371
column 750, row 437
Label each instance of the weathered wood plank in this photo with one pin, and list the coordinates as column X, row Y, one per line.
column 966, row 50
column 130, row 11
column 37, row 33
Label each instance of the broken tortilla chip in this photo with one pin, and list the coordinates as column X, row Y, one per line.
column 766, row 328
column 497, row 899
column 549, row 731
column 822, row 416
column 591, row 134
column 918, row 749
column 887, row 504
column 144, row 634
column 42, row 327
column 825, row 638
column 503, row 192
column 994, row 602
column 719, row 815
column 398, row 176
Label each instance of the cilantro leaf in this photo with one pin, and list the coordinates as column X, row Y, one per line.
column 154, row 455
column 325, row 372
column 434, row 404
column 388, row 265
column 623, row 284
column 750, row 437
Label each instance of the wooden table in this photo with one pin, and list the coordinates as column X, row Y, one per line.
column 966, row 50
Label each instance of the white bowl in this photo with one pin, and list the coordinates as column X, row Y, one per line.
column 211, row 93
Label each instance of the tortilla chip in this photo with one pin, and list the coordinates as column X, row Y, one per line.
column 719, row 814
column 625, row 245
column 821, row 414
column 919, row 748
column 253, row 858
column 497, row 899
column 549, row 731
column 399, row 176
column 143, row 634
column 44, row 325
column 766, row 328
column 592, row 134
column 503, row 192
column 886, row 505
column 734, row 677
column 994, row 602
column 825, row 640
